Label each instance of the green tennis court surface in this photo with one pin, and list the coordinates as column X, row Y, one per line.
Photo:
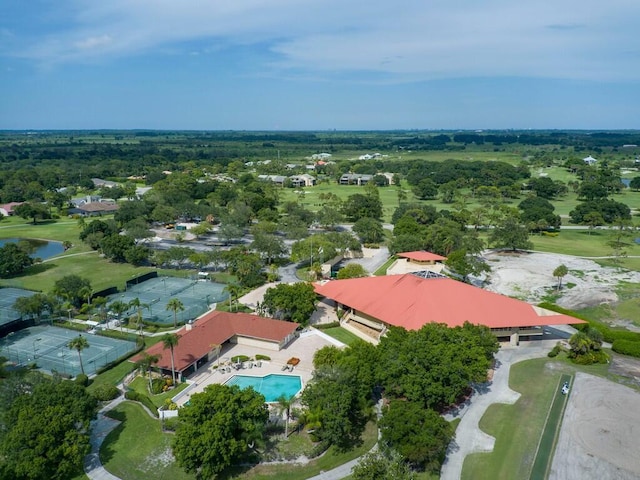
column 48, row 348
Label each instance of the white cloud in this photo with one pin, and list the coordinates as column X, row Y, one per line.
column 403, row 41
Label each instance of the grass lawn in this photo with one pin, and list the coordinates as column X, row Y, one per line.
column 382, row 270
column 138, row 449
column 141, row 385
column 339, row 333
column 518, row 427
column 130, row 455
column 112, row 376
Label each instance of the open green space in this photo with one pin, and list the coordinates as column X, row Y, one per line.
column 549, row 437
column 518, row 427
column 339, row 333
column 141, row 385
column 138, row 449
column 132, row 456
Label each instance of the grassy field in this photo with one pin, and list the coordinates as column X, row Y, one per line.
column 138, row 449
column 518, row 427
column 341, row 334
column 132, row 456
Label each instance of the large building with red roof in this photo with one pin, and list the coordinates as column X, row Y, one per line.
column 200, row 341
column 372, row 304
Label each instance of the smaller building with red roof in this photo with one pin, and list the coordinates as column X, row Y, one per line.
column 201, row 341
column 408, row 262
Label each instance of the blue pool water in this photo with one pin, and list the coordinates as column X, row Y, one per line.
column 271, row 386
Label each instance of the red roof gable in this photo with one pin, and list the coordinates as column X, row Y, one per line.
column 421, row 256
column 409, row 301
column 215, row 328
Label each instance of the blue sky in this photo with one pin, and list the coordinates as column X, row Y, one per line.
column 319, row 64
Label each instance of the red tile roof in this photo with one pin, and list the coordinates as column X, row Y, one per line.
column 409, row 301
column 421, row 256
column 215, row 328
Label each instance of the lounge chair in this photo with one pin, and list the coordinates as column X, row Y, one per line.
column 250, row 364
column 259, row 363
column 285, row 367
column 291, row 368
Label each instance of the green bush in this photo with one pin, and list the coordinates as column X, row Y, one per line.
column 554, row 351
column 263, row 357
column 105, row 392
column 626, row 347
column 324, row 326
column 170, row 424
column 132, row 395
column 82, row 379
column 157, row 386
column 594, row 356
column 143, row 399
column 239, row 359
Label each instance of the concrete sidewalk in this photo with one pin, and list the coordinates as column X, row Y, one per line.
column 469, row 438
column 100, row 428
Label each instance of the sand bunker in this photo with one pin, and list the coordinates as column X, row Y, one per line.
column 599, row 432
column 529, row 276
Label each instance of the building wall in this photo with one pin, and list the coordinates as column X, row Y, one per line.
column 254, row 342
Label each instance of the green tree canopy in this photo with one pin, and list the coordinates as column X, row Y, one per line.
column 70, row 287
column 218, row 428
column 421, row 436
column 294, row 302
column 352, row 270
column 45, row 432
column 13, row 260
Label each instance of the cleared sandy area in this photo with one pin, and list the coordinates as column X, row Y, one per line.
column 600, row 431
column 529, row 277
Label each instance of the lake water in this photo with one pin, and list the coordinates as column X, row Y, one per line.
column 36, row 248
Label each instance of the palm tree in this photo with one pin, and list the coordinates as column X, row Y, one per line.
column 119, row 308
column 233, row 289
column 138, row 305
column 174, row 305
column 145, row 364
column 560, row 272
column 86, row 292
column 100, row 303
column 79, row 343
column 284, row 405
column 170, row 341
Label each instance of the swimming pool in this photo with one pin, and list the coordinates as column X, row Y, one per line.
column 271, row 386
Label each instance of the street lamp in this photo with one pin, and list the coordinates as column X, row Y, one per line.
column 34, row 347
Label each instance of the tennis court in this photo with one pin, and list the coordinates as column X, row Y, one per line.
column 48, row 348
column 8, row 297
column 155, row 293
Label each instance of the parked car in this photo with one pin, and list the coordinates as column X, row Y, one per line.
column 565, row 388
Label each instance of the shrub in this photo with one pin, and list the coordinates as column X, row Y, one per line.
column 626, row 347
column 157, row 385
column 105, row 392
column 324, row 326
column 143, row 399
column 170, row 424
column 263, row 357
column 132, row 395
column 591, row 357
column 239, row 359
column 554, row 351
column 82, row 379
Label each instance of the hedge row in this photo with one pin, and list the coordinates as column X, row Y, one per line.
column 143, row 399
column 626, row 347
column 622, row 341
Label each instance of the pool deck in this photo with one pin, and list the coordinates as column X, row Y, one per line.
column 303, row 348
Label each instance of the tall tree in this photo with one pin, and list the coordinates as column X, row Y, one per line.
column 145, row 364
column 79, row 344
column 138, row 305
column 13, row 260
column 175, row 305
column 559, row 272
column 510, row 233
column 170, row 341
column 217, row 429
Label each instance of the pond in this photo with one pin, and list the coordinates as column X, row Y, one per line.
column 42, row 249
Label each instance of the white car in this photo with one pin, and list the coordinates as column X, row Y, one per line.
column 565, row 388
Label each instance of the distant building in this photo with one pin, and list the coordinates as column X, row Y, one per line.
column 320, row 156
column 417, row 261
column 99, row 183
column 94, row 209
column 7, row 209
column 304, row 180
column 275, row 179
column 355, row 179
column 590, row 160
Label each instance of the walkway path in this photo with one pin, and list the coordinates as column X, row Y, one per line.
column 70, row 255
column 469, row 437
column 100, row 428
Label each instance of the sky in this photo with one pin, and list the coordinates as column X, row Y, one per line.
column 319, row 64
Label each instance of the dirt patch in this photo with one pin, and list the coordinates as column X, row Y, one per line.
column 529, row 276
column 599, row 427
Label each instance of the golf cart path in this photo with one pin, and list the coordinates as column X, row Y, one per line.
column 469, row 438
